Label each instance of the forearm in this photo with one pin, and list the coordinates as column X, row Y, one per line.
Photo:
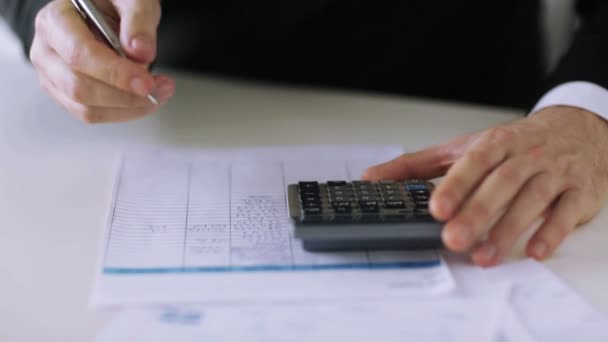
column 20, row 15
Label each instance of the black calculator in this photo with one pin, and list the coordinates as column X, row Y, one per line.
column 360, row 215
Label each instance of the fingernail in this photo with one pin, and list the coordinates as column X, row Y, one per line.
column 487, row 252
column 163, row 91
column 539, row 249
column 142, row 42
column 139, row 86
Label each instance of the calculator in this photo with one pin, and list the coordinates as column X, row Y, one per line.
column 360, row 215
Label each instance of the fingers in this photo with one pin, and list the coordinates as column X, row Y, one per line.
column 86, row 90
column 426, row 164
column 61, row 28
column 92, row 101
column 485, row 153
column 560, row 223
column 139, row 21
column 488, row 201
column 94, row 115
column 528, row 206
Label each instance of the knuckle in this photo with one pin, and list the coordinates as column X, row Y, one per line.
column 500, row 135
column 479, row 210
column 536, row 153
column 76, row 54
column 34, row 54
column 115, row 72
column 40, row 20
column 44, row 16
column 479, row 158
column 509, row 174
column 543, row 191
column 76, row 89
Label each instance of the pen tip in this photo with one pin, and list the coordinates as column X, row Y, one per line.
column 153, row 99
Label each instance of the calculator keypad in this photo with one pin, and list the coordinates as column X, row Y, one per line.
column 360, row 201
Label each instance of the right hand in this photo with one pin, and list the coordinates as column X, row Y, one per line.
column 86, row 76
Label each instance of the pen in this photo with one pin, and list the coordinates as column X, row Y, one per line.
column 89, row 12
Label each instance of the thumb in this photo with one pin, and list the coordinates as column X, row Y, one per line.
column 139, row 21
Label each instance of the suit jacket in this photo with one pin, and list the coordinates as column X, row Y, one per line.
column 478, row 51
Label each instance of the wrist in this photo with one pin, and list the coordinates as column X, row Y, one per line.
column 572, row 120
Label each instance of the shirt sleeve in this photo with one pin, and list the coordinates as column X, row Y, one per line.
column 584, row 95
column 20, row 15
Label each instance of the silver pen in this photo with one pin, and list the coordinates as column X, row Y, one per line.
column 89, row 11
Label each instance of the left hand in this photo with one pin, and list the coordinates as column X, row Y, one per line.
column 498, row 182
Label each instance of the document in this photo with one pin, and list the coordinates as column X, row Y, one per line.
column 212, row 226
column 450, row 319
column 546, row 306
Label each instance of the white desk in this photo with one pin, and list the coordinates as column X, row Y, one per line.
column 55, row 180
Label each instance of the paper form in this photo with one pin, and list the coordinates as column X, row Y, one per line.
column 213, row 226
column 547, row 307
column 449, row 319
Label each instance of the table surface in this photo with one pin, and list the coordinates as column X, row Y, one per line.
column 56, row 178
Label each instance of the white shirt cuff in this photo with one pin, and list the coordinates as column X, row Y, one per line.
column 583, row 95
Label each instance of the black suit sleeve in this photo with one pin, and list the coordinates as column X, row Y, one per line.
column 587, row 58
column 20, row 15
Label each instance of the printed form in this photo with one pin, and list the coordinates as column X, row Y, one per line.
column 212, row 226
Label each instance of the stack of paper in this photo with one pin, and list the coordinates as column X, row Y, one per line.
column 205, row 236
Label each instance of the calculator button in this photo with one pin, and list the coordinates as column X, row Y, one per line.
column 364, row 186
column 309, row 194
column 342, row 198
column 307, row 205
column 394, row 204
column 367, row 192
column 308, row 185
column 369, row 206
column 388, row 185
column 393, row 198
column 343, row 209
column 422, row 205
column 346, row 187
column 341, row 204
column 369, row 198
column 420, row 198
column 340, row 193
column 416, row 187
column 391, row 192
column 312, row 211
column 311, row 200
column 336, row 183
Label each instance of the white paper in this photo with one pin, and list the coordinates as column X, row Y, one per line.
column 434, row 320
column 212, row 226
column 547, row 307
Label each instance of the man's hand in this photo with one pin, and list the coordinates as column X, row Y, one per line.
column 87, row 77
column 552, row 165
